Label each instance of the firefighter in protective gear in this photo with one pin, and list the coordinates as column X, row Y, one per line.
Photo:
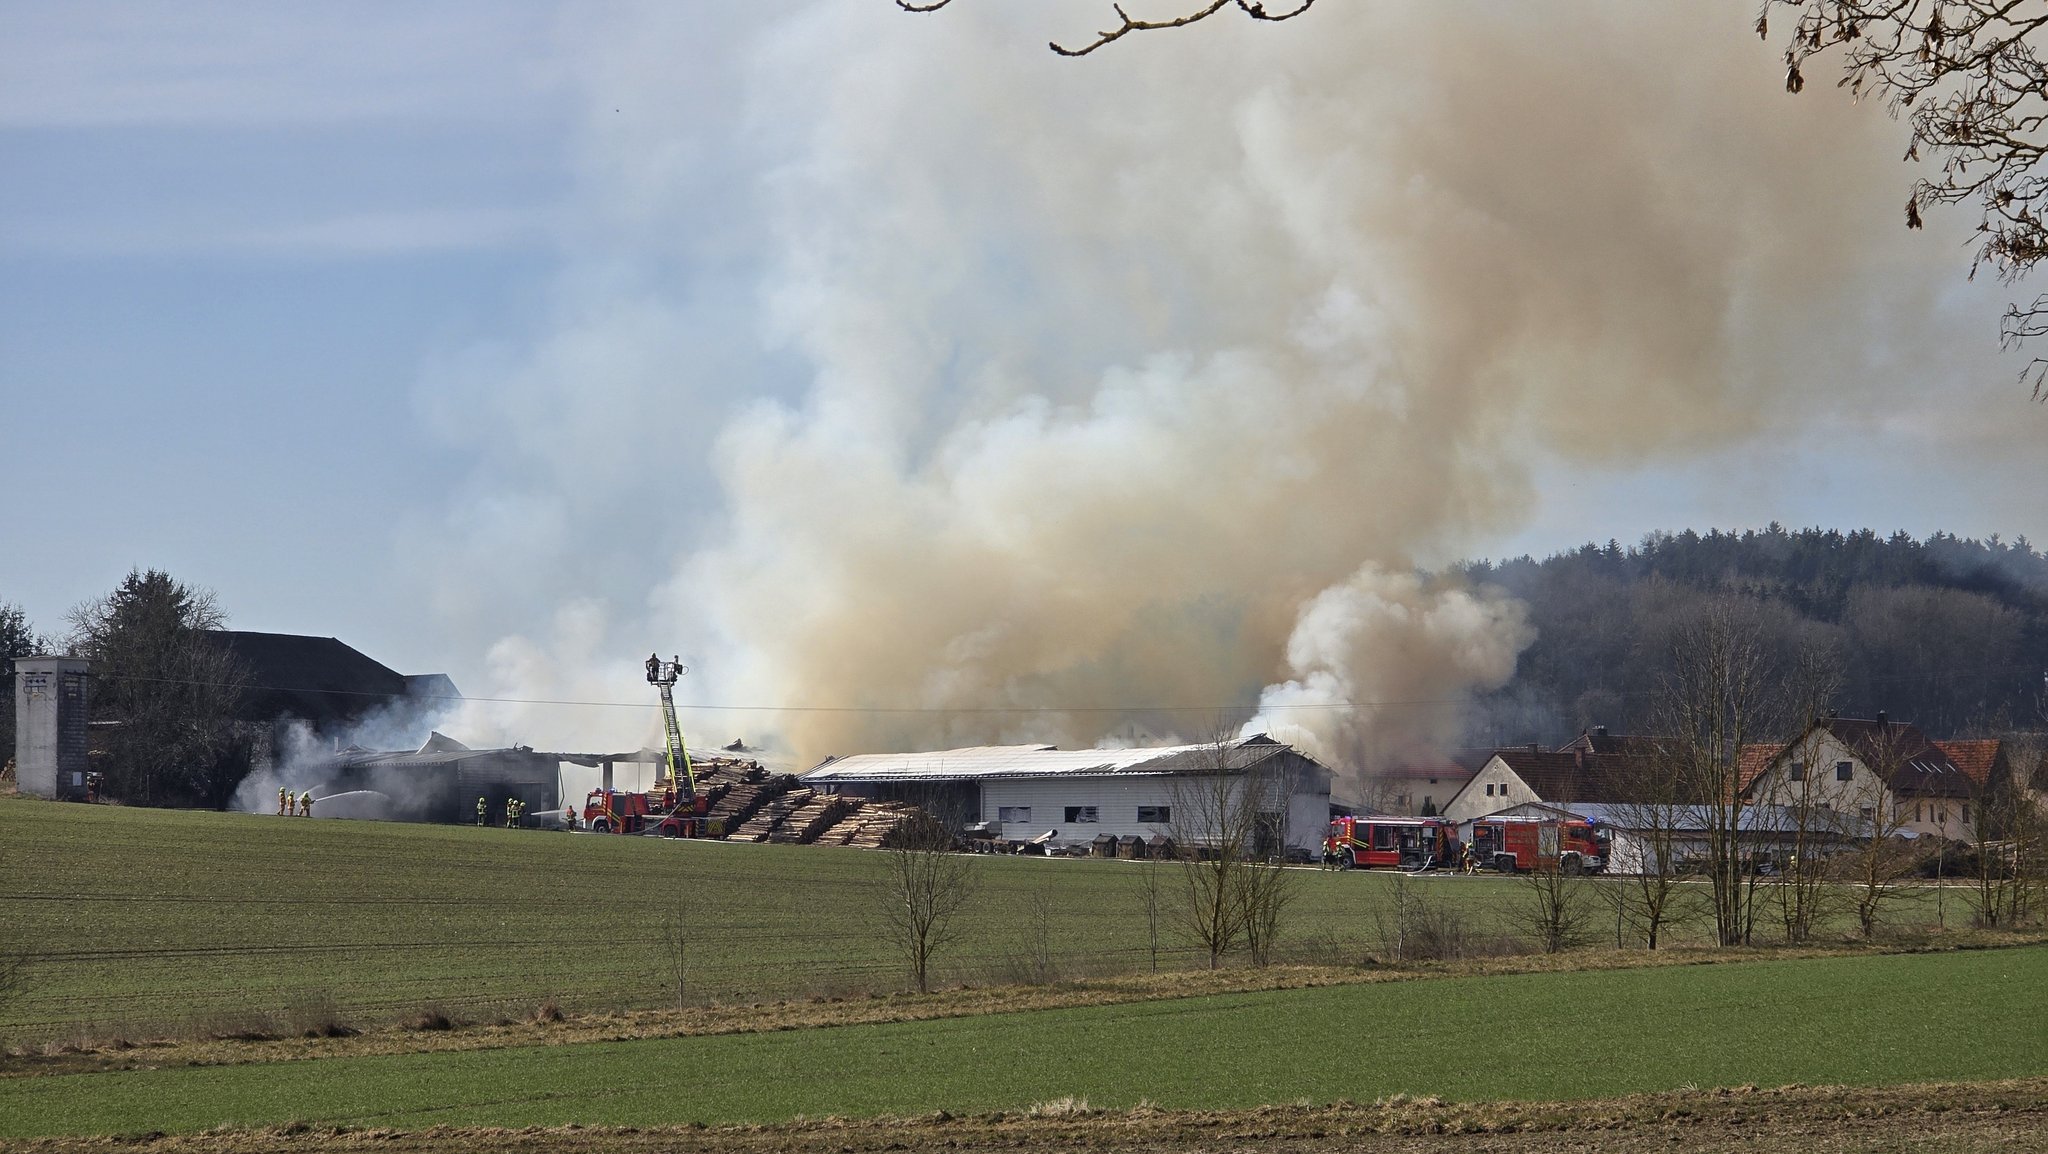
column 283, row 799
column 483, row 808
column 306, row 804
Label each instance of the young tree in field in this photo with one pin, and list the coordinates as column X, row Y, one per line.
column 925, row 886
column 2011, row 833
column 1801, row 793
column 1230, row 829
column 674, row 943
column 1149, row 891
column 171, row 693
column 1212, row 832
column 1717, row 699
column 1555, row 909
column 1882, row 859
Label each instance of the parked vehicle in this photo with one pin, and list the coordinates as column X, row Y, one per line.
column 1409, row 843
column 1524, row 844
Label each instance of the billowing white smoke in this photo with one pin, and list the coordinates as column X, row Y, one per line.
column 1039, row 399
column 1402, row 654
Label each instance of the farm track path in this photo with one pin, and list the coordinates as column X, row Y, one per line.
column 1964, row 1118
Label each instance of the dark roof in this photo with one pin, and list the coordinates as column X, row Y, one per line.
column 1577, row 775
column 318, row 679
column 1598, row 740
column 1899, row 751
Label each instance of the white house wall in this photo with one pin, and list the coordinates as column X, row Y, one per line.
column 1494, row 788
column 1821, row 751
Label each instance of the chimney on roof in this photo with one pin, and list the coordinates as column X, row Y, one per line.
column 1599, row 731
column 1534, row 748
column 1880, row 717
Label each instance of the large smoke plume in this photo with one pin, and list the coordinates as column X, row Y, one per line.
column 1054, row 398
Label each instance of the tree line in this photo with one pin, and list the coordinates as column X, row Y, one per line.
column 1948, row 632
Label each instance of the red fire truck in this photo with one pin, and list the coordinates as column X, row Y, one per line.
column 657, row 811
column 1409, row 843
column 1523, row 844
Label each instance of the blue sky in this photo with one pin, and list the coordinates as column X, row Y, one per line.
column 501, row 339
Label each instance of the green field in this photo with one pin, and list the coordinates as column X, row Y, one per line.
column 144, row 920
column 1857, row 1021
column 152, row 921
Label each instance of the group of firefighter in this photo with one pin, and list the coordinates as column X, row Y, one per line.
column 289, row 803
column 515, row 812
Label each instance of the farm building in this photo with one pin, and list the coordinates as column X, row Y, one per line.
column 1075, row 796
column 441, row 782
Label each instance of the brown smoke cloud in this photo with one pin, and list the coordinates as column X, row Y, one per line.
column 1139, row 388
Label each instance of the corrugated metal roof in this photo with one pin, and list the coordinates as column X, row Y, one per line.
column 1007, row 761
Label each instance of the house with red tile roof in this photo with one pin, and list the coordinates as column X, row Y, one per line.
column 1885, row 772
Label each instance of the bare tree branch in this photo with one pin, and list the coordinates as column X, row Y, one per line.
column 1255, row 9
column 1966, row 75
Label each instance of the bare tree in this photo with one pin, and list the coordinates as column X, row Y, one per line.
column 1212, row 831
column 1882, row 859
column 1230, row 828
column 925, row 886
column 1717, row 700
column 2010, row 834
column 1556, row 910
column 1126, row 24
column 1968, row 78
column 1148, row 890
column 1644, row 889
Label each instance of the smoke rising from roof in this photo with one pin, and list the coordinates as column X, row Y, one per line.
column 1114, row 392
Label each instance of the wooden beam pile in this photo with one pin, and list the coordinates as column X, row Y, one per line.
column 807, row 821
column 744, row 798
column 866, row 824
column 770, row 816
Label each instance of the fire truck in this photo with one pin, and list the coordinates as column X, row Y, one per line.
column 1523, row 844
column 1409, row 843
column 674, row 807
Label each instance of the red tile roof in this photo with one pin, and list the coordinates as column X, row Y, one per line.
column 1975, row 757
column 1753, row 759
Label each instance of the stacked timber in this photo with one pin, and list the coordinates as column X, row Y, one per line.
column 807, row 821
column 846, row 823
column 877, row 820
column 769, row 817
column 745, row 797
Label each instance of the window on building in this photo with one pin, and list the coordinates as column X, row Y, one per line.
column 1867, row 813
column 1916, row 811
column 1076, row 814
column 1845, row 771
column 1489, row 789
column 1966, row 811
column 1017, row 813
column 1156, row 814
column 1798, row 771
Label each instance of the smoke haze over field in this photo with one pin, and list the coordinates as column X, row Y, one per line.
column 1072, row 396
column 919, row 387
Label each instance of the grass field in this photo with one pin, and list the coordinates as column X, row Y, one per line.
column 1853, row 1021
column 145, row 921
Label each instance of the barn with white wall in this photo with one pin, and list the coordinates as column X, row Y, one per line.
column 1073, row 796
